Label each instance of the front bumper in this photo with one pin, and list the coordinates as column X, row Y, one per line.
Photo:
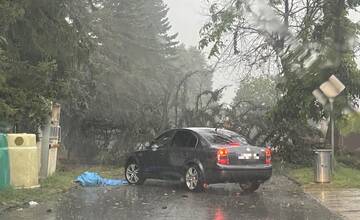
column 238, row 174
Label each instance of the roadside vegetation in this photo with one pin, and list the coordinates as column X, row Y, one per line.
column 350, row 160
column 52, row 187
column 344, row 177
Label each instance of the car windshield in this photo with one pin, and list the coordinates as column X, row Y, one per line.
column 223, row 137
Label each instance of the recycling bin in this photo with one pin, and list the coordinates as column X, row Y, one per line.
column 24, row 161
column 322, row 165
column 4, row 162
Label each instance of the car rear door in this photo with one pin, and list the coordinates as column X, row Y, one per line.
column 183, row 149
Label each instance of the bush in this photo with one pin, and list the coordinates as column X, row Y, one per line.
column 349, row 160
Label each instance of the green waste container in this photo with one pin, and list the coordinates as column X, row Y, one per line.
column 4, row 162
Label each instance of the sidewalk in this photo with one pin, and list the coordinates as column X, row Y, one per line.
column 345, row 202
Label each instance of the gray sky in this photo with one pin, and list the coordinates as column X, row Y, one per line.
column 187, row 17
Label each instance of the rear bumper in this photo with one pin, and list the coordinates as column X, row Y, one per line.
column 236, row 174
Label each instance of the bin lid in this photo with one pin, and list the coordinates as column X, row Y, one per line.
column 21, row 140
column 3, row 141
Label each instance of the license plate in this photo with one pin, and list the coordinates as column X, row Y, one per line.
column 245, row 156
column 248, row 156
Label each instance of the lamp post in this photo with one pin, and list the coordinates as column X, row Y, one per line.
column 328, row 91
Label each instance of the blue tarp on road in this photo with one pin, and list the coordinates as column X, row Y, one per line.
column 94, row 179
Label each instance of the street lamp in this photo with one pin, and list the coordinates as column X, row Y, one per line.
column 329, row 90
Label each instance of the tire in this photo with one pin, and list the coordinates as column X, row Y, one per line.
column 133, row 173
column 249, row 187
column 194, row 180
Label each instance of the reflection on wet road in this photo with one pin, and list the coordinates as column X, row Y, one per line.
column 277, row 199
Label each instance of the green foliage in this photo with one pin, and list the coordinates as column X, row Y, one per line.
column 308, row 47
column 255, row 97
column 222, row 21
column 138, row 78
column 113, row 65
column 38, row 52
column 344, row 177
column 350, row 124
column 349, row 159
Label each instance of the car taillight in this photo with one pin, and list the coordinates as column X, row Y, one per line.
column 268, row 156
column 223, row 156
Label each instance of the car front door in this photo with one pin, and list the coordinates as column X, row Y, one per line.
column 157, row 153
column 183, row 149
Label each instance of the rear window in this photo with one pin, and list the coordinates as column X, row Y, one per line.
column 223, row 137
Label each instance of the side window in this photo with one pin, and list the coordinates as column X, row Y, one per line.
column 163, row 139
column 184, row 139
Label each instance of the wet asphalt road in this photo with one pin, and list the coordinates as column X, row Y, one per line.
column 277, row 199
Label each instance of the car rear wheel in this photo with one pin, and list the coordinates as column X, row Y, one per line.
column 249, row 187
column 133, row 173
column 194, row 178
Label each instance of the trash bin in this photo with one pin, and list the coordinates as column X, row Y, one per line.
column 24, row 162
column 322, row 165
column 4, row 162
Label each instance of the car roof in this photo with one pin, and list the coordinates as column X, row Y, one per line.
column 204, row 129
column 200, row 130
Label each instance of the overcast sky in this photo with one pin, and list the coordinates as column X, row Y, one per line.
column 187, row 17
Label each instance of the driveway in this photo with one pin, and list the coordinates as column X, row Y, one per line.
column 279, row 198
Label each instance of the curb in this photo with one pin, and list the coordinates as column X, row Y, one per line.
column 292, row 179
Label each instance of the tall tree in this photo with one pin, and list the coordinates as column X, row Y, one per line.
column 41, row 52
column 306, row 40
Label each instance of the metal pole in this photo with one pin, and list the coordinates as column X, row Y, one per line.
column 332, row 134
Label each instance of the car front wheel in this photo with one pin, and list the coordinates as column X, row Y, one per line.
column 249, row 187
column 194, row 178
column 133, row 173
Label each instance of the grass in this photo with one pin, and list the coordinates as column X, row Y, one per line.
column 53, row 186
column 344, row 177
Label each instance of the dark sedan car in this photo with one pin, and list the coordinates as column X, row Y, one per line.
column 201, row 156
